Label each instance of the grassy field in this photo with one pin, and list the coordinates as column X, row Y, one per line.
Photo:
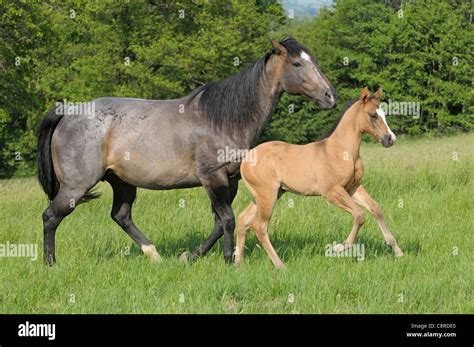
column 426, row 195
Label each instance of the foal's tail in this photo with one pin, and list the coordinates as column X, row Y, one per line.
column 46, row 176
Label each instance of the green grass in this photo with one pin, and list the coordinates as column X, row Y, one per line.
column 434, row 222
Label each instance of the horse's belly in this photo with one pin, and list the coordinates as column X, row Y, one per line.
column 152, row 172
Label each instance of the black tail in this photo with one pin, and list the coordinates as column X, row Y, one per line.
column 46, row 175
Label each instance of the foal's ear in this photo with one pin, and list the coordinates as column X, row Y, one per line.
column 278, row 48
column 378, row 93
column 364, row 95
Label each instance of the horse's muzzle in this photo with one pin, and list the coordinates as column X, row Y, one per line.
column 388, row 140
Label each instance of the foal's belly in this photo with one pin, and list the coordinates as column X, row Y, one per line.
column 305, row 191
column 301, row 182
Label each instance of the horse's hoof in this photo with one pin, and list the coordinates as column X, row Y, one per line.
column 49, row 260
column 150, row 252
column 187, row 257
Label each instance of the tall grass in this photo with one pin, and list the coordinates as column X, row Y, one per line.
column 426, row 196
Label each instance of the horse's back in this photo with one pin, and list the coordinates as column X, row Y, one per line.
column 122, row 135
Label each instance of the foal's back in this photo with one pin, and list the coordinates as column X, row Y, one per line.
column 301, row 169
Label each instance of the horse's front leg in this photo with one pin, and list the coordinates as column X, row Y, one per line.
column 221, row 192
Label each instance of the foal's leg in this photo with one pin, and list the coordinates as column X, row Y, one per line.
column 265, row 200
column 341, row 198
column 363, row 198
column 244, row 222
column 124, row 196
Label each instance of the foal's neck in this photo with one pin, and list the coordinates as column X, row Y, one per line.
column 348, row 134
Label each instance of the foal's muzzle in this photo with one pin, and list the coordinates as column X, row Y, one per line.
column 388, row 140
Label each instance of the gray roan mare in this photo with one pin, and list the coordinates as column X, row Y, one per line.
column 169, row 144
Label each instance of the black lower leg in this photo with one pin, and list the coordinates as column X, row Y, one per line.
column 50, row 223
column 124, row 196
column 218, row 231
column 229, row 226
column 52, row 216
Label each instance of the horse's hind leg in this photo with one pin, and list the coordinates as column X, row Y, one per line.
column 363, row 198
column 62, row 205
column 124, row 196
column 243, row 224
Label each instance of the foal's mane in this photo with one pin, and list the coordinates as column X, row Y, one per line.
column 235, row 101
column 347, row 106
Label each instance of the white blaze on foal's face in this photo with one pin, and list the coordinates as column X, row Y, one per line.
column 381, row 114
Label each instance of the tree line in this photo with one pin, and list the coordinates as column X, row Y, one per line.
column 419, row 51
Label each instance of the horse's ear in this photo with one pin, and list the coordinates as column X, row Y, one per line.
column 378, row 93
column 278, row 48
column 364, row 95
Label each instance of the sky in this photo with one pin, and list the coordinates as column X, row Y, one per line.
column 305, row 8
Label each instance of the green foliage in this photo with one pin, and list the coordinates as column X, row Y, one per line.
column 80, row 50
column 420, row 52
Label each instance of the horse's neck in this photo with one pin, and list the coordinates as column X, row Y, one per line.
column 270, row 97
column 270, row 93
column 347, row 134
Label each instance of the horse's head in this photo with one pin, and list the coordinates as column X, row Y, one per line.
column 298, row 73
column 372, row 118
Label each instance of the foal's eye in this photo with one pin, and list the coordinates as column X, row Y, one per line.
column 296, row 64
column 373, row 115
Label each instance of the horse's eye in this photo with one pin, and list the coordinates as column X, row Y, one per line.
column 296, row 64
column 373, row 114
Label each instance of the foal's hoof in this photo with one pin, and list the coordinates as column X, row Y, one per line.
column 280, row 266
column 398, row 252
column 339, row 248
column 187, row 257
column 238, row 261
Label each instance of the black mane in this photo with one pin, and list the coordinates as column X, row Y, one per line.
column 235, row 101
column 293, row 47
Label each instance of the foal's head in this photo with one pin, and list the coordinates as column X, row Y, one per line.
column 372, row 118
column 299, row 74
